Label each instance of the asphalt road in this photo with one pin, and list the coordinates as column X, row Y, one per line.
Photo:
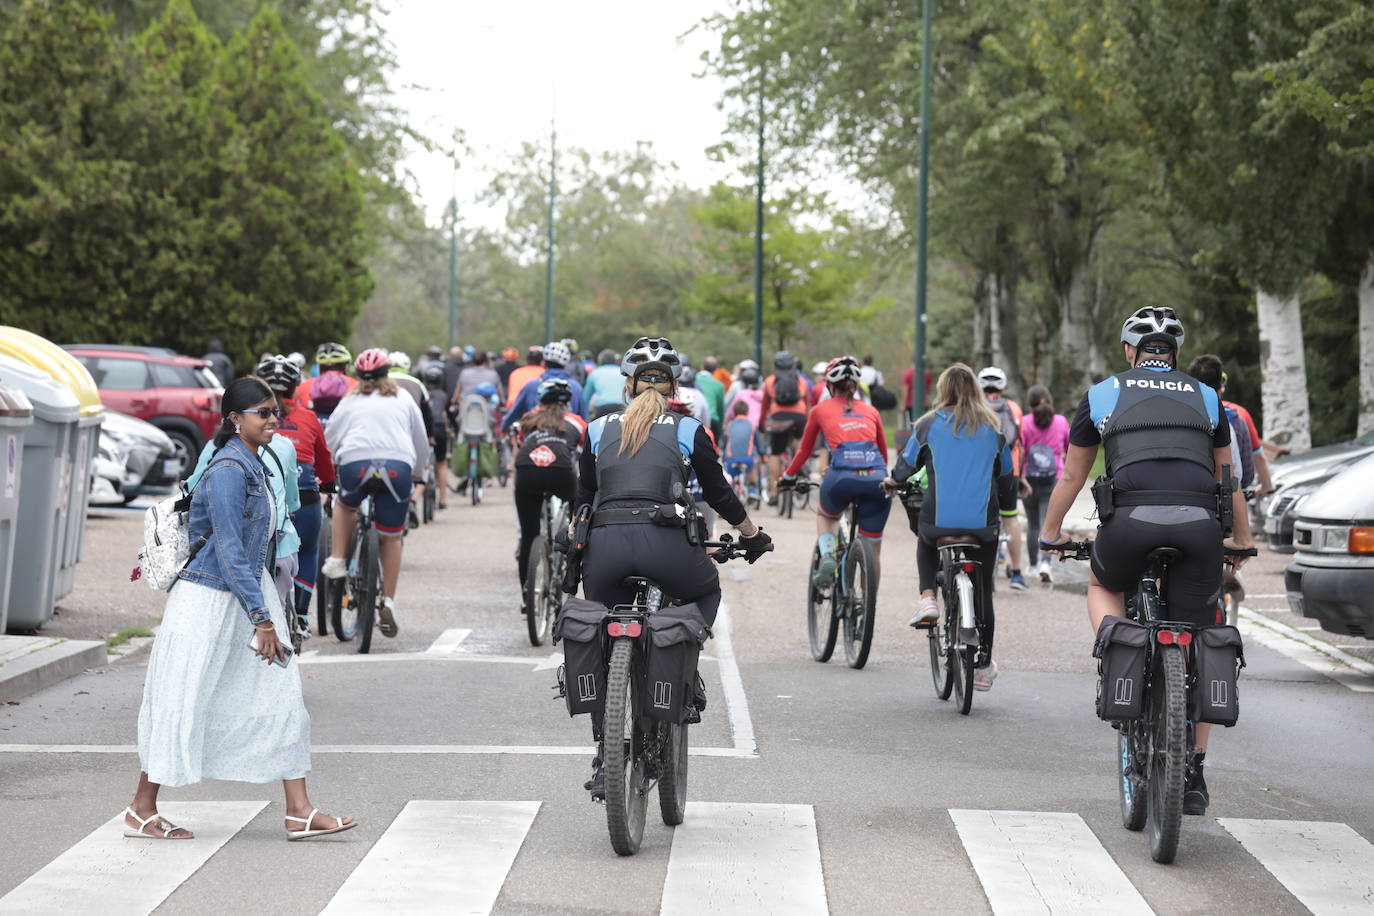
column 815, row 787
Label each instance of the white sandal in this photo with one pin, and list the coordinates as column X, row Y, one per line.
column 158, row 823
column 307, row 833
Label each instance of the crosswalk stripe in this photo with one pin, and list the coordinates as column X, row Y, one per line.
column 1327, row 866
column 107, row 874
column 1044, row 862
column 438, row 856
column 738, row 858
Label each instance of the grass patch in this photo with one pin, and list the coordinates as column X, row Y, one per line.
column 126, row 634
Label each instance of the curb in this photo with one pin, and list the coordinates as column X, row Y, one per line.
column 30, row 663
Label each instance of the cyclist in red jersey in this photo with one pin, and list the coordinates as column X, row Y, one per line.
column 854, row 434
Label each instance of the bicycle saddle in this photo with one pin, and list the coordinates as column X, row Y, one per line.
column 636, row 582
column 958, row 540
column 1165, row 556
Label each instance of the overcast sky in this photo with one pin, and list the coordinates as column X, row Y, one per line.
column 617, row 69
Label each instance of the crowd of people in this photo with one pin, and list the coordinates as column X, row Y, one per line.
column 645, row 436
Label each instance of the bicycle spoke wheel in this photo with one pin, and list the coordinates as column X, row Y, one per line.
column 672, row 781
column 537, row 587
column 343, row 605
column 961, row 663
column 625, row 791
column 861, row 601
column 822, row 626
column 369, row 588
column 1131, row 780
column 1168, row 753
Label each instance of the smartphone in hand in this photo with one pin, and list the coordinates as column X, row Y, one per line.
column 281, row 660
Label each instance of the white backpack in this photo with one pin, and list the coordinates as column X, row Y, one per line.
column 166, row 540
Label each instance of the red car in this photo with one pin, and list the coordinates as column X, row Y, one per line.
column 175, row 393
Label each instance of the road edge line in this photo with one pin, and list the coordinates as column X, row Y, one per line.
column 732, row 685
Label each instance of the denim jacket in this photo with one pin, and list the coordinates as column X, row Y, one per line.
column 285, row 487
column 231, row 512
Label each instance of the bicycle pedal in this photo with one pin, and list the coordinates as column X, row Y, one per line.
column 927, row 625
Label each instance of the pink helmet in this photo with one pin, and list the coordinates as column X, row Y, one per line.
column 372, row 364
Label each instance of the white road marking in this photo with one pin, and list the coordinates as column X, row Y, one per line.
column 107, row 874
column 1327, row 866
column 449, row 641
column 553, row 750
column 438, row 856
column 1320, row 656
column 746, row 859
column 732, row 685
column 348, row 658
column 1044, row 862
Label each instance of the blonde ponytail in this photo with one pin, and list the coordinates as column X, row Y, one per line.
column 648, row 405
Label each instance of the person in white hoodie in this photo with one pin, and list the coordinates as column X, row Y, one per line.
column 380, row 447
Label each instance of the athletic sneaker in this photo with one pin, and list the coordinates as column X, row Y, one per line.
column 983, row 677
column 597, row 784
column 825, row 571
column 1195, row 795
column 334, row 568
column 927, row 612
column 1046, row 575
column 1018, row 582
column 386, row 617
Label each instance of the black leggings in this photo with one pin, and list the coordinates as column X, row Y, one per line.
column 531, row 486
column 928, row 564
column 1036, row 502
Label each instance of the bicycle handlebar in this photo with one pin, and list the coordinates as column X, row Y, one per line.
column 800, row 485
column 727, row 548
column 1235, row 552
column 1070, row 550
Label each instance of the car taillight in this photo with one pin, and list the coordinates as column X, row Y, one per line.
column 1361, row 540
column 204, row 401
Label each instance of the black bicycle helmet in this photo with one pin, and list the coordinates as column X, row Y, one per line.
column 555, row 391
column 782, row 361
column 433, row 375
column 280, row 374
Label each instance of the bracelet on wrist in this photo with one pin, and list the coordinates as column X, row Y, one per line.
column 269, row 625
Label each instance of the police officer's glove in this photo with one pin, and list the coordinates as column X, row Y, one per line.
column 755, row 546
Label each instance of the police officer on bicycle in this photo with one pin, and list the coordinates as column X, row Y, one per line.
column 634, row 474
column 1167, row 441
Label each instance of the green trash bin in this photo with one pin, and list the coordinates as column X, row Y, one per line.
column 16, row 416
column 42, row 520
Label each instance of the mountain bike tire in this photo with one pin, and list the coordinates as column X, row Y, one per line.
column 672, row 780
column 369, row 588
column 626, row 800
column 1132, row 785
column 323, row 585
column 961, row 665
column 822, row 626
column 861, row 601
column 538, row 584
column 343, row 609
column 1168, row 753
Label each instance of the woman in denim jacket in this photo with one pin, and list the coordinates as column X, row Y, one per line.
column 213, row 708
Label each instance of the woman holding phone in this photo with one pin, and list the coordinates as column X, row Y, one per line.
column 222, row 698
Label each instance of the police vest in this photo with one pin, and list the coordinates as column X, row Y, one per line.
column 1153, row 415
column 659, row 472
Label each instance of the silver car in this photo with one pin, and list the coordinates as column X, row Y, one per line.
column 1331, row 578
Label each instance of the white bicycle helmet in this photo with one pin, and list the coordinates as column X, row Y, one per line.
column 1153, row 324
column 554, row 390
column 748, row 364
column 841, row 368
column 650, row 350
column 556, row 353
column 399, row 361
column 992, row 377
column 297, row 359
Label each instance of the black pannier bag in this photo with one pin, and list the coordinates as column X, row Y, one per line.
column 581, row 626
column 676, row 635
column 1219, row 657
column 1120, row 650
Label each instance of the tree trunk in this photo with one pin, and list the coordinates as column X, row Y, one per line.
column 1283, row 369
column 1366, row 417
column 981, row 313
column 1075, row 331
column 1006, row 353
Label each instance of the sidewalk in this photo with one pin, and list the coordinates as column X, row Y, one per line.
column 30, row 663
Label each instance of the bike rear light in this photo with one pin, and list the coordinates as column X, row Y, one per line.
column 1183, row 639
column 1165, row 637
column 969, row 567
column 1361, row 540
column 634, row 629
column 615, row 629
column 1170, row 638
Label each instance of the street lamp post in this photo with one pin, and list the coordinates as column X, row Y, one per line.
column 758, row 237
column 918, row 374
column 453, row 263
column 553, row 193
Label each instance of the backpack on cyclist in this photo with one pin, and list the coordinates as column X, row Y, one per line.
column 1120, row 652
column 1041, row 463
column 1242, row 449
column 881, row 397
column 581, row 626
column 676, row 635
column 1011, row 430
column 786, row 387
column 1219, row 657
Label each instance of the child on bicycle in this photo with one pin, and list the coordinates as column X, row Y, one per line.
column 854, row 434
column 739, row 452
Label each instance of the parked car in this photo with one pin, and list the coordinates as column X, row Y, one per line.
column 177, row 394
column 1331, row 578
column 153, row 464
column 1318, row 462
column 107, row 474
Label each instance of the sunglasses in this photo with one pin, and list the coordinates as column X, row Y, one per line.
column 660, row 343
column 263, row 412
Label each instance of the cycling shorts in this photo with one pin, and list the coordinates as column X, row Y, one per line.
column 1008, row 488
column 863, row 490
column 790, row 425
column 388, row 481
column 1194, row 583
column 443, row 446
